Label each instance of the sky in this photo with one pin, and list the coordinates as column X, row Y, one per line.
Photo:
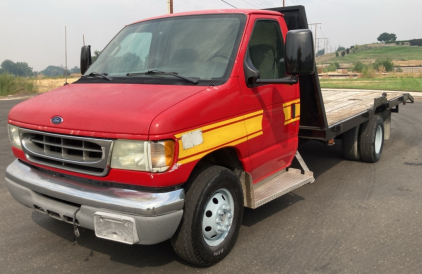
column 34, row 31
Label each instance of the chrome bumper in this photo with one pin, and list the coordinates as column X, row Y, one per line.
column 156, row 215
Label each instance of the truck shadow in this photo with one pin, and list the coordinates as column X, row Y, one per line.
column 254, row 216
column 319, row 158
column 139, row 256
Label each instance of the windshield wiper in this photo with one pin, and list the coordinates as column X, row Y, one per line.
column 152, row 72
column 101, row 75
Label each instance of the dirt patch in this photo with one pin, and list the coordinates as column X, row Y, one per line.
column 408, row 63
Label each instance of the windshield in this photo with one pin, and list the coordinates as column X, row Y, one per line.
column 201, row 47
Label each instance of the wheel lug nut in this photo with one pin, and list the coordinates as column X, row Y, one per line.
column 218, row 221
column 229, row 215
column 219, row 228
column 220, row 212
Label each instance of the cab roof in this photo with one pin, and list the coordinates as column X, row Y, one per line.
column 217, row 11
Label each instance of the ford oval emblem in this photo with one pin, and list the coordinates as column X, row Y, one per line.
column 57, row 120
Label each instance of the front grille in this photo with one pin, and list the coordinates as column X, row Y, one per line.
column 73, row 153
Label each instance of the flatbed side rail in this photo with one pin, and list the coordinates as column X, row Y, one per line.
column 381, row 104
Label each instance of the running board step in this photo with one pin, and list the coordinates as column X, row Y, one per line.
column 273, row 187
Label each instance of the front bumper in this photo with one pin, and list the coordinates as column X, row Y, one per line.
column 155, row 216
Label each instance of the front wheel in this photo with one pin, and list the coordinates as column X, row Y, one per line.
column 212, row 218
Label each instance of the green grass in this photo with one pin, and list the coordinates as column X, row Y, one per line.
column 406, row 84
column 10, row 84
column 371, row 54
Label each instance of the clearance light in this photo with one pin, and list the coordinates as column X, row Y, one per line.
column 162, row 154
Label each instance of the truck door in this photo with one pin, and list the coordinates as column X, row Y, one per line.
column 272, row 148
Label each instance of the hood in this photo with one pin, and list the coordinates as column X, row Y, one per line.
column 105, row 108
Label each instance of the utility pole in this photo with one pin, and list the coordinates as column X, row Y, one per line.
column 316, row 24
column 65, row 54
column 325, row 43
column 170, row 6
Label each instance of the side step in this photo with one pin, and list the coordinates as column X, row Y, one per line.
column 276, row 185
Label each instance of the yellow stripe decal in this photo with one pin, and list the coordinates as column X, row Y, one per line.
column 287, row 108
column 226, row 133
column 230, row 132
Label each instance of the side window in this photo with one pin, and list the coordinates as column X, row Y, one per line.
column 266, row 49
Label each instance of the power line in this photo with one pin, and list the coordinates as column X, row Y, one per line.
column 229, row 4
column 322, row 32
column 315, row 44
column 251, row 4
column 269, row 4
column 262, row 2
column 258, row 3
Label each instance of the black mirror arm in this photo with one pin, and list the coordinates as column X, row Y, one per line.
column 287, row 80
column 251, row 73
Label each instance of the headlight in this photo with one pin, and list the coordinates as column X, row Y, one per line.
column 14, row 136
column 142, row 155
column 130, row 155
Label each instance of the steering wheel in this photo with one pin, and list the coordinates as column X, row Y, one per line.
column 221, row 55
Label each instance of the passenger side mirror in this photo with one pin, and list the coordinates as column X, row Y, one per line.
column 300, row 55
column 86, row 60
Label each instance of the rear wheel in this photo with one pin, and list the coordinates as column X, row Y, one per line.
column 212, row 217
column 371, row 139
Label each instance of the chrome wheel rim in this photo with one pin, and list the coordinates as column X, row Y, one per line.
column 378, row 139
column 218, row 217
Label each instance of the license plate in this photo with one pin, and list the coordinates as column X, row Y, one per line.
column 115, row 227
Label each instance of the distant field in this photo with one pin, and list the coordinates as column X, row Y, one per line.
column 377, row 51
column 15, row 85
column 47, row 84
column 405, row 84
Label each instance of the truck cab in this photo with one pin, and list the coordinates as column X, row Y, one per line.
column 181, row 122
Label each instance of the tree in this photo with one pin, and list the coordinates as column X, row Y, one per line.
column 75, row 70
column 54, row 71
column 340, row 48
column 17, row 69
column 347, row 51
column 415, row 42
column 320, row 52
column 343, row 53
column 336, row 53
column 387, row 37
column 95, row 56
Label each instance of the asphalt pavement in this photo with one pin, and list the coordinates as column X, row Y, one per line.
column 355, row 218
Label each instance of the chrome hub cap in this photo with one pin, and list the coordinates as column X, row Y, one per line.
column 218, row 217
column 378, row 140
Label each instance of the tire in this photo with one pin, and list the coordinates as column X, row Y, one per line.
column 215, row 194
column 350, row 144
column 371, row 139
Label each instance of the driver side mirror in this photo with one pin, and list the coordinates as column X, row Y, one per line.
column 300, row 55
column 86, row 60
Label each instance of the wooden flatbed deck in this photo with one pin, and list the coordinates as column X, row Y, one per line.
column 343, row 104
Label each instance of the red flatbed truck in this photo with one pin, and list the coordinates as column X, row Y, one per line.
column 181, row 122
